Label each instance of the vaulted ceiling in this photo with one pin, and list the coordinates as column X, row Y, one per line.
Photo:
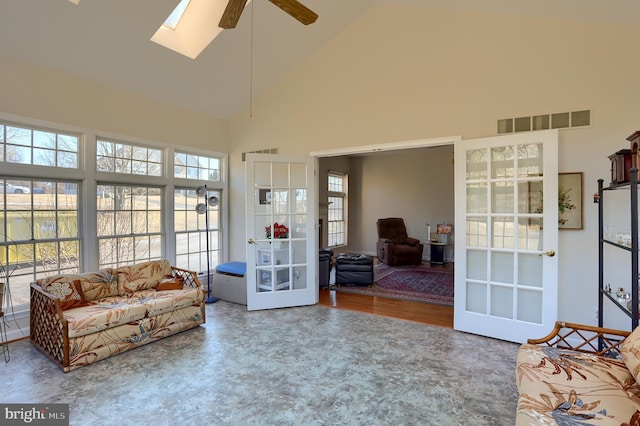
column 108, row 42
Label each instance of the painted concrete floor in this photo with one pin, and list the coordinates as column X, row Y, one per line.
column 297, row 366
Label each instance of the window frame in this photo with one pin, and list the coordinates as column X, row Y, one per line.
column 342, row 195
column 88, row 179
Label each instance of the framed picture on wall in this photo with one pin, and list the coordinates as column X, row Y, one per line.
column 570, row 200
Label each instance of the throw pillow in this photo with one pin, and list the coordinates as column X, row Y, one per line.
column 70, row 293
column 176, row 283
column 142, row 276
column 630, row 351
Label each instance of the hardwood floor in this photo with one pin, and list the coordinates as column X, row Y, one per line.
column 426, row 313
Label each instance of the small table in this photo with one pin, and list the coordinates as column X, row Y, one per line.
column 437, row 252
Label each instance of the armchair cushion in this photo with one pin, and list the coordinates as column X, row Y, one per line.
column 394, row 247
column 411, row 241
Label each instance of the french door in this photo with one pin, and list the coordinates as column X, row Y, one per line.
column 506, row 215
column 281, row 230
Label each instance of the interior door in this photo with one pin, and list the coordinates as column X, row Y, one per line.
column 506, row 235
column 281, row 247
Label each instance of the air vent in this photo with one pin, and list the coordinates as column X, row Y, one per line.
column 561, row 120
column 260, row 151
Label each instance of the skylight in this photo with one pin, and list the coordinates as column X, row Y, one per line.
column 188, row 30
column 174, row 18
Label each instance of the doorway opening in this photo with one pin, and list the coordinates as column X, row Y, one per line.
column 413, row 180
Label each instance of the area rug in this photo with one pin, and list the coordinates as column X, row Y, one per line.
column 420, row 283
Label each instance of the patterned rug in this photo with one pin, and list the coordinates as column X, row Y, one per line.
column 419, row 283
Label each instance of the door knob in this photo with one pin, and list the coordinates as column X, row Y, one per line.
column 550, row 253
column 251, row 241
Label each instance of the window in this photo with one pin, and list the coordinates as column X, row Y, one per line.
column 191, row 166
column 51, row 223
column 191, row 234
column 117, row 157
column 174, row 17
column 39, row 232
column 23, row 145
column 129, row 216
column 337, row 212
column 191, row 226
column 129, row 224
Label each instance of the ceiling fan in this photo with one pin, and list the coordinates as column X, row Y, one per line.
column 294, row 8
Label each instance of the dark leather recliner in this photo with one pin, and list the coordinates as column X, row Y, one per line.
column 394, row 247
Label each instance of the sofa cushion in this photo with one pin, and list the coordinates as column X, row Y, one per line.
column 159, row 302
column 69, row 292
column 630, row 351
column 142, row 276
column 558, row 386
column 95, row 285
column 103, row 314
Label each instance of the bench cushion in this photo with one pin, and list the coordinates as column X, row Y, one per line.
column 232, row 268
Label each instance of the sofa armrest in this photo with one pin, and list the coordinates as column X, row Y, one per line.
column 583, row 338
column 48, row 328
column 190, row 277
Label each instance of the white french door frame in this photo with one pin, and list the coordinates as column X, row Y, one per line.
column 281, row 272
column 493, row 322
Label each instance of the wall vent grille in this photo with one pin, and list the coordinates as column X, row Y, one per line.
column 259, row 151
column 560, row 120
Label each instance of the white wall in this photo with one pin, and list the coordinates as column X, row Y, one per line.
column 416, row 184
column 398, row 74
column 43, row 94
column 402, row 73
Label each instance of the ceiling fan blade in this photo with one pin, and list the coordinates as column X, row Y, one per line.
column 297, row 10
column 232, row 13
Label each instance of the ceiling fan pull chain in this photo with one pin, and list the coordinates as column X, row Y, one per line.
column 251, row 67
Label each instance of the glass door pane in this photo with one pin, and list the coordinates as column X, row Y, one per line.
column 504, row 277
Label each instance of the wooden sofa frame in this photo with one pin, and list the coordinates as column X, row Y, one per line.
column 49, row 329
column 583, row 338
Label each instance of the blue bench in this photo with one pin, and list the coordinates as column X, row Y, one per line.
column 230, row 283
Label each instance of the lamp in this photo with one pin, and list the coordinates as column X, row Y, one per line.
column 203, row 208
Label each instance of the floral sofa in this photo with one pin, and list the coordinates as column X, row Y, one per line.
column 579, row 375
column 78, row 319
